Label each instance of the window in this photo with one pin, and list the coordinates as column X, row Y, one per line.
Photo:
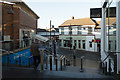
column 89, row 30
column 67, row 43
column 79, row 30
column 79, row 43
column 83, row 28
column 60, row 43
column 75, row 43
column 62, row 30
column 114, row 32
column 109, row 27
column 70, row 30
column 83, row 42
column 90, row 44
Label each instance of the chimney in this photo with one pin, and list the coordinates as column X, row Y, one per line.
column 72, row 17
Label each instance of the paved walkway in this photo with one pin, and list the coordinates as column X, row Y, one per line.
column 24, row 73
column 90, row 61
column 91, row 69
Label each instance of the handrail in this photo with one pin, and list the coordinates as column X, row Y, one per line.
column 109, row 54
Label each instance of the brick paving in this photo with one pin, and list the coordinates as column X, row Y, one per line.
column 90, row 61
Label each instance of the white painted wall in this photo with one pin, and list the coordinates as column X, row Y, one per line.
column 66, row 30
column 88, row 48
column 118, row 35
column 74, row 30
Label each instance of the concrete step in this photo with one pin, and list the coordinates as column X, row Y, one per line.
column 31, row 73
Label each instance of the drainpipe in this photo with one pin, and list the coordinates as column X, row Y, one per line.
column 2, row 22
column 118, row 35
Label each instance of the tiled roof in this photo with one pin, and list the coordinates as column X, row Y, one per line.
column 78, row 22
column 111, row 21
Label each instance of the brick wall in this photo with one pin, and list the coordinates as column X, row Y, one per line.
column 16, row 21
column 27, row 21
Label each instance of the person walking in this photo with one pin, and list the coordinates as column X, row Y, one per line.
column 35, row 50
column 25, row 39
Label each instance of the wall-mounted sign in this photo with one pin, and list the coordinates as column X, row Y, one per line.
column 97, row 12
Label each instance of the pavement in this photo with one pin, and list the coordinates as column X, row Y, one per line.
column 30, row 73
column 90, row 60
column 90, row 68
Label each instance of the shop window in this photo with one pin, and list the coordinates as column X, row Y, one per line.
column 90, row 44
column 67, row 43
column 75, row 43
column 83, row 42
column 79, row 43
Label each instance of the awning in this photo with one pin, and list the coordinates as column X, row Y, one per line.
column 41, row 38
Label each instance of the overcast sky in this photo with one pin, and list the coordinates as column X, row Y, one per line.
column 61, row 10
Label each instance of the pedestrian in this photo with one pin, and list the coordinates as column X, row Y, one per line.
column 35, row 50
column 25, row 39
column 74, row 52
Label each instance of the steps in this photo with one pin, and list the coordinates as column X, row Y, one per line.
column 30, row 73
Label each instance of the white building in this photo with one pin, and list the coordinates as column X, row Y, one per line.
column 46, row 33
column 85, row 34
column 112, row 61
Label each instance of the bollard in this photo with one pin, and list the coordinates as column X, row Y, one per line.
column 109, row 66
column 105, row 68
column 20, row 61
column 56, row 64
column 74, row 60
column 51, row 62
column 46, row 61
column 81, row 69
column 29, row 61
column 42, row 58
column 115, row 66
column 61, row 64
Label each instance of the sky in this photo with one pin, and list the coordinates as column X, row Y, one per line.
column 58, row 11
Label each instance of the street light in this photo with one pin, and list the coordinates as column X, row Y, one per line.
column 70, row 32
column 54, row 41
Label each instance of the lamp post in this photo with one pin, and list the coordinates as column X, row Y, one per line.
column 70, row 32
column 54, row 42
column 50, row 32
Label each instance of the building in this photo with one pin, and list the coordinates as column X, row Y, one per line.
column 79, row 33
column 17, row 20
column 84, row 34
column 46, row 32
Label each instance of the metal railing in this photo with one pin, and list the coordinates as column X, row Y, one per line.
column 112, row 60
